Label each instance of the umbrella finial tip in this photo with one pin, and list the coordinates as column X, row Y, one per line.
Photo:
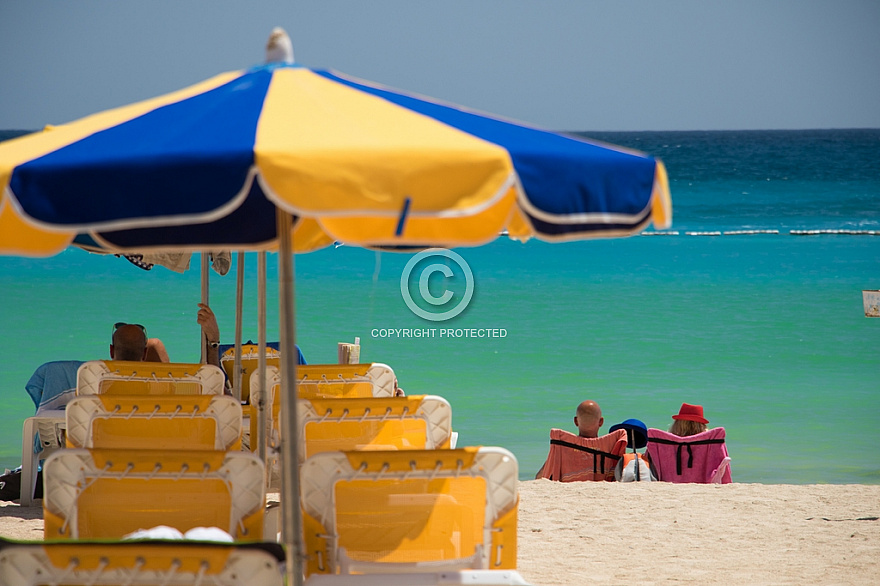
column 279, row 49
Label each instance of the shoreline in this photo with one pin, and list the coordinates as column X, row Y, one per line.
column 666, row 533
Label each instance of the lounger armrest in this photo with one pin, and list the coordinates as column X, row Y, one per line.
column 470, row 577
column 718, row 473
column 351, row 566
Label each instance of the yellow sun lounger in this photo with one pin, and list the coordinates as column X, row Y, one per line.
column 320, row 380
column 119, row 377
column 140, row 563
column 417, row 422
column 113, row 377
column 411, row 512
column 107, row 494
column 345, row 380
column 162, row 422
column 334, row 380
column 250, row 361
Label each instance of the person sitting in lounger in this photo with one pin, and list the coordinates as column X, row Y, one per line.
column 585, row 456
column 588, row 419
column 689, row 452
column 130, row 341
column 689, row 421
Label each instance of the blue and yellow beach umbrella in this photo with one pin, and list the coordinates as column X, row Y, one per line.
column 352, row 161
column 229, row 162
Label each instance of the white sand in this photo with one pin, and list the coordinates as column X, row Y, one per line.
column 662, row 533
column 659, row 533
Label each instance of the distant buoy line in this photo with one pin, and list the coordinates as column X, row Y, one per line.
column 846, row 232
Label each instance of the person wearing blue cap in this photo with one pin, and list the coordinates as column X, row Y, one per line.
column 637, row 437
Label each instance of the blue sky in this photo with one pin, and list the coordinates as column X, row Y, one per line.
column 559, row 64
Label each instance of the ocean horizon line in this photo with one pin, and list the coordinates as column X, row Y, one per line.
column 24, row 131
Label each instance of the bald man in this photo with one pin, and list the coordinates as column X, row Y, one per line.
column 588, row 419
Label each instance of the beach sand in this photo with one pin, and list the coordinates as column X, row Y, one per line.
column 660, row 533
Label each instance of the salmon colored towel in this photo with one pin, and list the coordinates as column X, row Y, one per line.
column 573, row 458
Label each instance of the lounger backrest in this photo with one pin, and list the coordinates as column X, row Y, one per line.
column 421, row 422
column 250, row 361
column 174, row 422
column 325, row 381
column 345, row 380
column 106, row 494
column 140, row 563
column 573, row 458
column 700, row 458
column 119, row 377
column 334, row 380
column 390, row 511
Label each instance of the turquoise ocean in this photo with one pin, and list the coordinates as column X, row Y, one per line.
column 766, row 331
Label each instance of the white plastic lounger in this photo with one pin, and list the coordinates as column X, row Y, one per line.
column 98, row 377
column 316, row 380
column 109, row 493
column 140, row 563
column 421, row 422
column 334, row 380
column 380, row 375
column 194, row 422
column 250, row 361
column 425, row 515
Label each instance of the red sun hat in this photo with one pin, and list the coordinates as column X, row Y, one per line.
column 691, row 413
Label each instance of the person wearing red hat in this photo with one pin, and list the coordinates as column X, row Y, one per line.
column 689, row 421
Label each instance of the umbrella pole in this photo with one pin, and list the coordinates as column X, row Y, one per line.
column 205, row 296
column 260, row 399
column 239, row 302
column 291, row 514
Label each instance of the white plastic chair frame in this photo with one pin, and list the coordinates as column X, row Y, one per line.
column 51, row 427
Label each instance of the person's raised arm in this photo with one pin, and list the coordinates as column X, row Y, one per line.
column 210, row 334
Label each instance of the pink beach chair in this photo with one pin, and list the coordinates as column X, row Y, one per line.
column 700, row 458
column 573, row 458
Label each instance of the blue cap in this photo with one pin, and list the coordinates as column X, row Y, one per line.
column 639, row 433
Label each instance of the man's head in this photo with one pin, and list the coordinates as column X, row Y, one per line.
column 129, row 342
column 588, row 419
